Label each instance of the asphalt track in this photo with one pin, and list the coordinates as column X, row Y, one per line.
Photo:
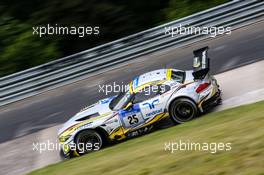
column 243, row 46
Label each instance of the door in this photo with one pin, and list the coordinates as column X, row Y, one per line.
column 147, row 104
column 150, row 102
column 131, row 117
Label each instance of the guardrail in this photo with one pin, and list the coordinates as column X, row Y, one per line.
column 79, row 66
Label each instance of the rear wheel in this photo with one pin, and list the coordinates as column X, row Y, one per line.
column 182, row 110
column 88, row 141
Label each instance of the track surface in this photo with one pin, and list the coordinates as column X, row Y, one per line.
column 244, row 46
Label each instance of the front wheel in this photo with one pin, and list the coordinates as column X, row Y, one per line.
column 88, row 141
column 182, row 110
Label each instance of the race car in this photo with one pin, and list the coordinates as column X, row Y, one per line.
column 150, row 98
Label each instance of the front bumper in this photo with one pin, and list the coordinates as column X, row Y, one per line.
column 68, row 150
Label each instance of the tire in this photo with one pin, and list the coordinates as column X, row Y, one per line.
column 65, row 156
column 182, row 110
column 88, row 141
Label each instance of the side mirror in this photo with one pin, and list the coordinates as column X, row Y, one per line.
column 128, row 106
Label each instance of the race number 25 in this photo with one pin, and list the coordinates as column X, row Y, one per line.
column 132, row 119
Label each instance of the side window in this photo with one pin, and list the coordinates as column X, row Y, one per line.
column 179, row 76
column 146, row 93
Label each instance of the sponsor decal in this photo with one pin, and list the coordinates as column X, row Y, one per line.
column 152, row 104
column 154, row 112
column 135, row 83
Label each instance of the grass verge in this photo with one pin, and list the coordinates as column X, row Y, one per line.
column 241, row 126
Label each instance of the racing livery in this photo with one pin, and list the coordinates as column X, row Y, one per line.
column 151, row 97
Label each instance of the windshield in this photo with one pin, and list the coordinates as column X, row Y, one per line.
column 120, row 101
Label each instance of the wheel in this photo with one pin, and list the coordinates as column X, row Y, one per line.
column 182, row 110
column 88, row 141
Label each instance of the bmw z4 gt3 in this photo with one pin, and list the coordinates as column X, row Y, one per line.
column 151, row 97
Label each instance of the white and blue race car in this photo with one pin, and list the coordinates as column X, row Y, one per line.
column 151, row 97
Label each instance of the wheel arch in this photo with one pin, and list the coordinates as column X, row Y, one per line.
column 103, row 133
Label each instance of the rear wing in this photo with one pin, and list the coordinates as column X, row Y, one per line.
column 200, row 63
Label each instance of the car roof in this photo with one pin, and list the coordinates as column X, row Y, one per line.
column 149, row 78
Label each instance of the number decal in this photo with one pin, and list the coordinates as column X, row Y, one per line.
column 132, row 119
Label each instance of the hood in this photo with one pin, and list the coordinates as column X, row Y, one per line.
column 101, row 108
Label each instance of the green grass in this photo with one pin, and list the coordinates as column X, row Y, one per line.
column 242, row 127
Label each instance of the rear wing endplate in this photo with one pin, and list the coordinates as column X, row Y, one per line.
column 200, row 63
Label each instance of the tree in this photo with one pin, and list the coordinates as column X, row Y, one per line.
column 20, row 49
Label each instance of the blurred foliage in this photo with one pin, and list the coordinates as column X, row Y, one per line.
column 181, row 8
column 116, row 18
column 20, row 49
